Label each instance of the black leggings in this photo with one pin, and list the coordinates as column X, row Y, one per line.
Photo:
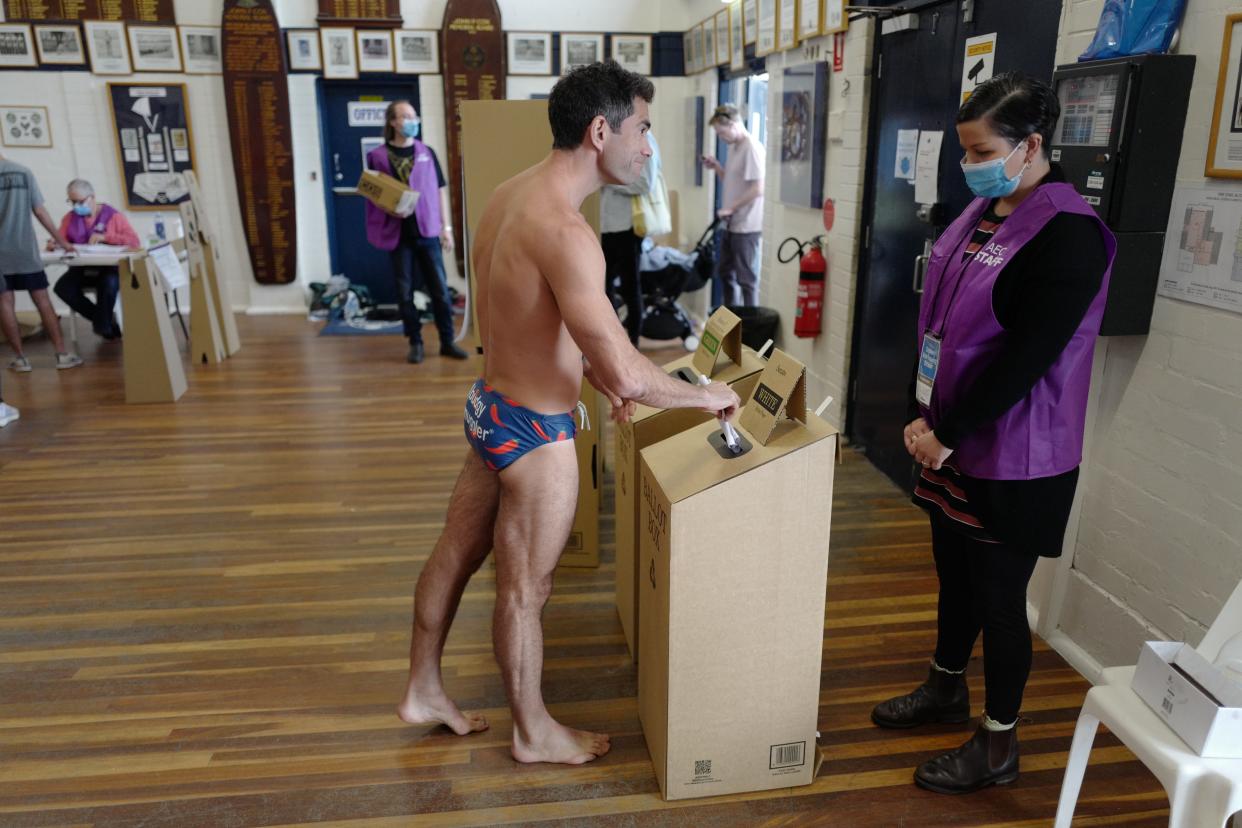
column 983, row 587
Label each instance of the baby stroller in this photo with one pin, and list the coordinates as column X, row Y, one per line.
column 667, row 273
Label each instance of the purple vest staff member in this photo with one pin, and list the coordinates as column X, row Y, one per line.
column 1014, row 295
column 414, row 240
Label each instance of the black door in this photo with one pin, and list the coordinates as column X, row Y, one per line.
column 918, row 84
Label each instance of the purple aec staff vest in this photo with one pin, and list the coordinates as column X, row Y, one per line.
column 81, row 228
column 383, row 230
column 1042, row 434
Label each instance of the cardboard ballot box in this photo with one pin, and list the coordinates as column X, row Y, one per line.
column 722, row 357
column 1198, row 701
column 582, row 548
column 386, row 192
column 734, row 560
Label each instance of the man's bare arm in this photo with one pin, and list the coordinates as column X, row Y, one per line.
column 46, row 220
column 573, row 265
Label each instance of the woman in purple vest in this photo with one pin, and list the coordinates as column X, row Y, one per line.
column 1014, row 294
column 414, row 240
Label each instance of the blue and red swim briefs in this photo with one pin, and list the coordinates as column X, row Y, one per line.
column 501, row 431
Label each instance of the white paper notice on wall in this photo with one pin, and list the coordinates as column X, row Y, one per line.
column 907, row 151
column 1202, row 259
column 980, row 57
column 927, row 167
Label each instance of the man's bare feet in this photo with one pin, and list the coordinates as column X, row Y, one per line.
column 557, row 743
column 439, row 710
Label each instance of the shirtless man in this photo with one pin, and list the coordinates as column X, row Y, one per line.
column 545, row 322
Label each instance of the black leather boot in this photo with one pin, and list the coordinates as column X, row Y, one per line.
column 944, row 697
column 989, row 758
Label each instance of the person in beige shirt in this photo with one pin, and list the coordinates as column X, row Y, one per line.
column 741, row 206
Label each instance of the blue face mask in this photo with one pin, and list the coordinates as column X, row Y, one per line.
column 82, row 208
column 409, row 128
column 988, row 180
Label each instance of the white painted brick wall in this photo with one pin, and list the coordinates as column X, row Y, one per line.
column 1159, row 545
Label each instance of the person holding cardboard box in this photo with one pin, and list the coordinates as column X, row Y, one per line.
column 545, row 323
column 1015, row 293
column 414, row 238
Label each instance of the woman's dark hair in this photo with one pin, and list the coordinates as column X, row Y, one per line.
column 389, row 132
column 1015, row 106
column 589, row 91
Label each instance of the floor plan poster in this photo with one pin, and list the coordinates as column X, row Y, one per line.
column 1203, row 248
column 153, row 142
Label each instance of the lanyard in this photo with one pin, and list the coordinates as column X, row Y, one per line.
column 938, row 330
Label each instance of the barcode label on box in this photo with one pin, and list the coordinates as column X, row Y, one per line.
column 703, row 767
column 790, row 755
column 1166, row 705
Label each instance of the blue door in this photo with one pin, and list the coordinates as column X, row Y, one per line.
column 352, row 115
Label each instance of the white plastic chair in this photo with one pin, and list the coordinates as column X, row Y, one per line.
column 1203, row 793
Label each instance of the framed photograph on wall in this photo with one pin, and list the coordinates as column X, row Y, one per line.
column 809, row 19
column 737, row 39
column 16, row 45
column 417, row 52
column 25, row 126
column 374, row 50
column 633, row 52
column 530, row 53
column 201, row 47
column 765, row 42
column 687, row 52
column 1225, row 139
column 803, row 136
column 339, row 58
column 786, row 24
column 835, row 19
column 303, row 49
column 580, row 50
column 722, row 36
column 60, row 45
column 750, row 22
column 154, row 48
column 707, row 45
column 108, row 48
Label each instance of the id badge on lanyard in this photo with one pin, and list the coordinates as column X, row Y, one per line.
column 929, row 363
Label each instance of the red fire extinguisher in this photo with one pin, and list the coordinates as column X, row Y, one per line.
column 812, row 278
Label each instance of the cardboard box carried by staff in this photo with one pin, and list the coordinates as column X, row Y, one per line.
column 734, row 572
column 582, row 548
column 386, row 192
column 722, row 357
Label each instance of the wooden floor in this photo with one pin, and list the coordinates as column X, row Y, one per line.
column 204, row 614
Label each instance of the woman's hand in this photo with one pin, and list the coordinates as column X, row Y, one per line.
column 97, row 238
column 930, row 452
column 913, row 431
column 446, row 239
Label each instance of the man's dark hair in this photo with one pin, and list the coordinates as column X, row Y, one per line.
column 589, row 91
column 1015, row 106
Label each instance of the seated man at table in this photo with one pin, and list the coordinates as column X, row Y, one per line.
column 94, row 222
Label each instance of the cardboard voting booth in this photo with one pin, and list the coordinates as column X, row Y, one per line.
column 386, row 192
column 152, row 363
column 582, row 548
column 734, row 560
column 722, row 357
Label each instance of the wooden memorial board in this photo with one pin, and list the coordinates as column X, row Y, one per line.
column 474, row 69
column 256, row 92
column 71, row 11
column 360, row 13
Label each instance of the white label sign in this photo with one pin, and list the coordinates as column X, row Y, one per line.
column 367, row 113
column 977, row 64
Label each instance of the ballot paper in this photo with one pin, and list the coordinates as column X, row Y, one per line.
column 169, row 266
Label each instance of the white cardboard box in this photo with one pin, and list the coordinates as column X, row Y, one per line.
column 1198, row 702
